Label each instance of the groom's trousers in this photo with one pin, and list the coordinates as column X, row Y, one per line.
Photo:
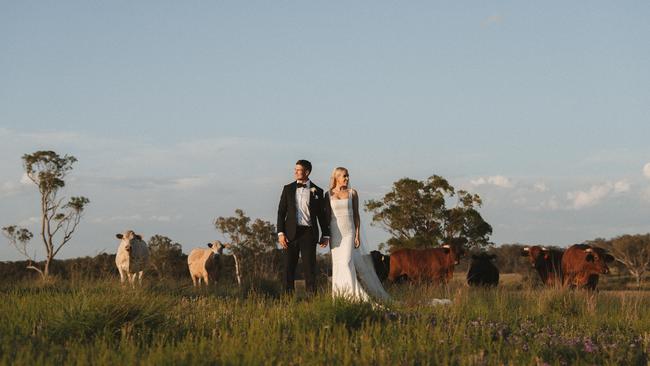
column 302, row 246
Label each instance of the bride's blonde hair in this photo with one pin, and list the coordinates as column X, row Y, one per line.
column 335, row 173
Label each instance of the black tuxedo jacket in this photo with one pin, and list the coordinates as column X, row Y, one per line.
column 287, row 212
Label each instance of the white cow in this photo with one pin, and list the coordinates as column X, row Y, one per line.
column 132, row 256
column 204, row 263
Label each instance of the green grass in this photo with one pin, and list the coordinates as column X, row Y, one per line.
column 103, row 323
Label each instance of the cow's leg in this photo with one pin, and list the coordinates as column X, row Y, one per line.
column 140, row 274
column 122, row 275
column 206, row 280
column 194, row 281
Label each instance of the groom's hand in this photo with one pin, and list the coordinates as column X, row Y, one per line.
column 324, row 242
column 282, row 239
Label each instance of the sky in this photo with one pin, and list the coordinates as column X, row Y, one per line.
column 180, row 112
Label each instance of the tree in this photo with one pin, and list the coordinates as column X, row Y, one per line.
column 19, row 238
column 164, row 254
column 415, row 214
column 248, row 242
column 58, row 220
column 632, row 251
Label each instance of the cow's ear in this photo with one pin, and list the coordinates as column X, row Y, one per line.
column 209, row 245
column 138, row 236
column 609, row 258
column 546, row 256
column 119, row 236
column 589, row 257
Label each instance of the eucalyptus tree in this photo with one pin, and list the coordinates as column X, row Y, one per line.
column 249, row 242
column 428, row 213
column 59, row 219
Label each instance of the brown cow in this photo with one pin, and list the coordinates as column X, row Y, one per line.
column 582, row 264
column 435, row 264
column 547, row 262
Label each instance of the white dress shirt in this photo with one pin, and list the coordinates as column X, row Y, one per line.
column 303, row 218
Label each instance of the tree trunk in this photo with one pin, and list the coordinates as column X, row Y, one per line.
column 237, row 271
column 46, row 270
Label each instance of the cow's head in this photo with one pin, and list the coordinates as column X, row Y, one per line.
column 381, row 263
column 126, row 238
column 216, row 247
column 454, row 251
column 596, row 260
column 534, row 254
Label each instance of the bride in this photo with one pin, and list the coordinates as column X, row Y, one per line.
column 353, row 273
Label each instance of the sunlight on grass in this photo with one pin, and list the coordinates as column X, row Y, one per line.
column 103, row 323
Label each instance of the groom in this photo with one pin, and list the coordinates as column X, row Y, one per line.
column 300, row 210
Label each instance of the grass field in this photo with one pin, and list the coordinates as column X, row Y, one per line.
column 168, row 323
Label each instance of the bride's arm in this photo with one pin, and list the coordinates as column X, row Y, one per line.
column 357, row 217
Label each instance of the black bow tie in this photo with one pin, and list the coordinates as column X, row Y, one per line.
column 301, row 185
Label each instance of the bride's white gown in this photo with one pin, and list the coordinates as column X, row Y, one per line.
column 353, row 273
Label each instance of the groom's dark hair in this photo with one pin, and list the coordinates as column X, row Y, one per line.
column 305, row 164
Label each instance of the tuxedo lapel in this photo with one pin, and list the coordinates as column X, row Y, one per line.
column 292, row 196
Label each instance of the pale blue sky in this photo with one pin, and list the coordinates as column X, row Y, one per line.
column 183, row 111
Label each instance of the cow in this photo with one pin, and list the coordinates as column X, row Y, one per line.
column 582, row 264
column 547, row 262
column 434, row 265
column 482, row 272
column 381, row 263
column 132, row 256
column 203, row 263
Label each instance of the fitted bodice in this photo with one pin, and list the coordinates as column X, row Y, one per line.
column 341, row 207
column 342, row 222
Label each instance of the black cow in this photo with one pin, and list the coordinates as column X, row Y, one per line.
column 381, row 263
column 482, row 272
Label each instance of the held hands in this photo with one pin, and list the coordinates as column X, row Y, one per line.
column 357, row 241
column 284, row 243
column 324, row 242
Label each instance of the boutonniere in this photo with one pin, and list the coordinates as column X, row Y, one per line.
column 313, row 191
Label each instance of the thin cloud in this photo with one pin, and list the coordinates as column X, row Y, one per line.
column 496, row 180
column 540, row 187
column 11, row 188
column 492, row 20
column 578, row 199
column 29, row 222
column 596, row 194
column 190, row 183
column 646, row 170
column 135, row 218
column 551, row 204
column 622, row 186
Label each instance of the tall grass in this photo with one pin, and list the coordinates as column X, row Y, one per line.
column 103, row 323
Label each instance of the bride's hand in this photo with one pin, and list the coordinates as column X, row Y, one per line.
column 357, row 241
